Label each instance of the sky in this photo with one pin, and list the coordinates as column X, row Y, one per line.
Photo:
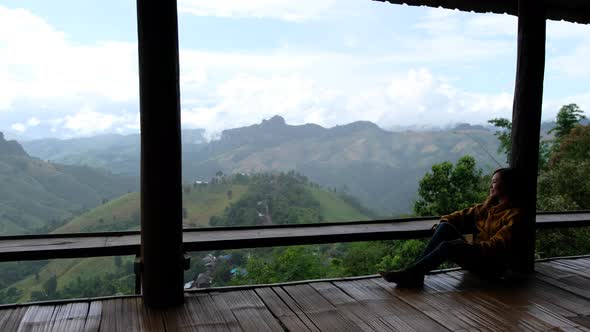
column 69, row 68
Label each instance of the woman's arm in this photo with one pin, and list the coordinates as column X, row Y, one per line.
column 463, row 219
column 502, row 241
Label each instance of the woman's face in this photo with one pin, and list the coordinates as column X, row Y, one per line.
column 496, row 187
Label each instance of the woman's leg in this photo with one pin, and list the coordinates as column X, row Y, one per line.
column 444, row 232
column 456, row 250
column 468, row 256
column 432, row 256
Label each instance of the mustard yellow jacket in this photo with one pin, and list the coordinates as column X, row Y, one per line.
column 493, row 227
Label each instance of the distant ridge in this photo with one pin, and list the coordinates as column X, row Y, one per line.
column 378, row 166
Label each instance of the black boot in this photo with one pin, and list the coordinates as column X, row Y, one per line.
column 404, row 278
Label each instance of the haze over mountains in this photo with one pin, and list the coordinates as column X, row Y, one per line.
column 379, row 167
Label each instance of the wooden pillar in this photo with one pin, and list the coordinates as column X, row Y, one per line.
column 526, row 116
column 161, row 186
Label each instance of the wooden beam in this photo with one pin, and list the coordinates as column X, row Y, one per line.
column 526, row 116
column 51, row 246
column 575, row 11
column 161, row 182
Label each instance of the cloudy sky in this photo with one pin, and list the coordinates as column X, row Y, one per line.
column 69, row 68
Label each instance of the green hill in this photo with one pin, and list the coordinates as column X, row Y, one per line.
column 223, row 198
column 335, row 208
column 37, row 196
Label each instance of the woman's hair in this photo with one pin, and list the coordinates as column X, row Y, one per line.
column 512, row 185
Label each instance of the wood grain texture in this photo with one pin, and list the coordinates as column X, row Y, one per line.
column 17, row 248
column 554, row 298
column 249, row 311
column 288, row 318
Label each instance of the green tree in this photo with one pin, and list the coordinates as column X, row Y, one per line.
column 285, row 264
column 504, row 138
column 503, row 134
column 565, row 185
column 362, row 258
column 449, row 187
column 567, row 118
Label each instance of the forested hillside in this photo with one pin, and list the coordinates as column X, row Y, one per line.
column 227, row 200
column 38, row 196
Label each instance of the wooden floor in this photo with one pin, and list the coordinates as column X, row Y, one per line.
column 557, row 298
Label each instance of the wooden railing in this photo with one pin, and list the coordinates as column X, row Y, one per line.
column 78, row 245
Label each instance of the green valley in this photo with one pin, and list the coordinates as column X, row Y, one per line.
column 225, row 200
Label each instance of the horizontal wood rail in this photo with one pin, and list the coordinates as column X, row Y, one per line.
column 78, row 245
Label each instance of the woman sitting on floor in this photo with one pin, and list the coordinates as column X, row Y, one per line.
column 493, row 224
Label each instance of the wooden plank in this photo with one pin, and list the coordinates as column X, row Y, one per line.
column 563, row 279
column 349, row 307
column 249, row 310
column 583, row 320
column 375, row 313
column 320, row 311
column 281, row 310
column 37, row 318
column 179, row 318
column 70, row 317
column 15, row 248
column 150, row 319
column 10, row 319
column 205, row 314
column 571, row 266
column 93, row 317
column 530, row 305
column 442, row 309
column 292, row 304
column 128, row 314
column 520, row 294
column 482, row 308
column 227, row 314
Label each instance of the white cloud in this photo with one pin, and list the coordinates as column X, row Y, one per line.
column 224, row 89
column 419, row 97
column 287, row 10
column 573, row 64
column 38, row 62
column 246, row 99
column 89, row 121
column 416, row 96
column 19, row 127
column 33, row 122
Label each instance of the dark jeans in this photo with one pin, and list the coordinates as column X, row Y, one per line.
column 447, row 244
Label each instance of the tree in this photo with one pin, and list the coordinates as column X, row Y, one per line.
column 503, row 135
column 448, row 188
column 567, row 118
column 565, row 185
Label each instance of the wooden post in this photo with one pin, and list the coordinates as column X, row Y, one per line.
column 526, row 116
column 161, row 187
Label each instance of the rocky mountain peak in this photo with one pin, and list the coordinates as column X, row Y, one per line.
column 275, row 121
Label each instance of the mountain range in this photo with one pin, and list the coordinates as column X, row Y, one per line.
column 381, row 168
